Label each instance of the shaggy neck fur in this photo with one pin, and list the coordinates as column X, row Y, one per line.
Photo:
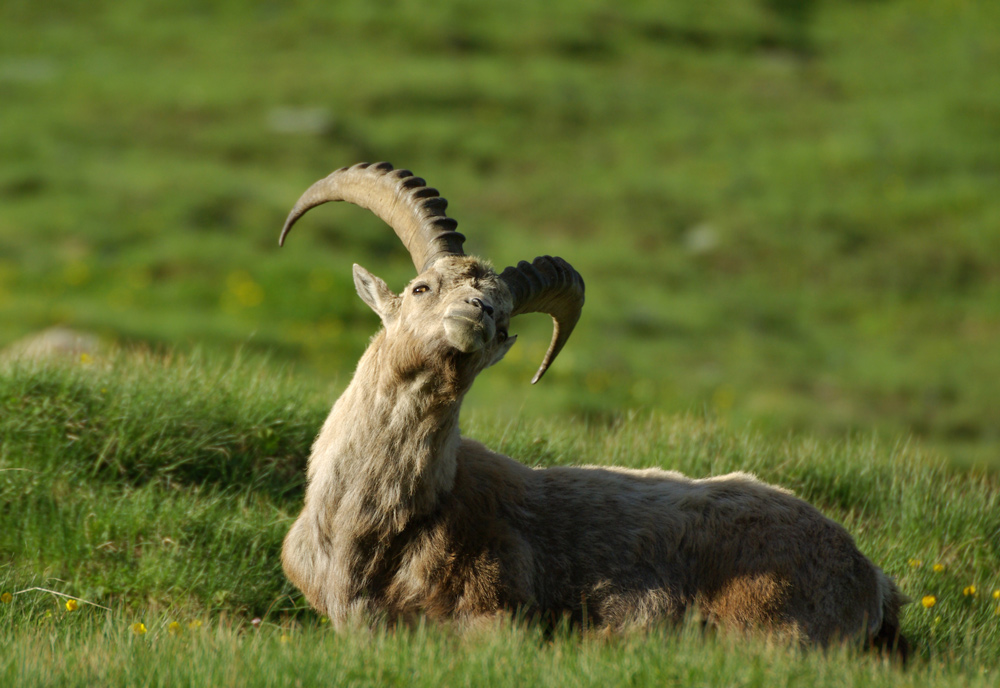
column 391, row 442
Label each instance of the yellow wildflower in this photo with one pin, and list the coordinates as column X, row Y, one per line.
column 7, row 598
column 194, row 623
column 139, row 628
column 969, row 590
column 174, row 628
column 928, row 601
column 85, row 358
column 71, row 605
column 938, row 568
column 996, row 594
column 916, row 563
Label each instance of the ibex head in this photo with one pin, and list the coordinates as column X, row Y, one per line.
column 457, row 301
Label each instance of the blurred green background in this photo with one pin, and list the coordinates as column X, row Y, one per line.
column 787, row 213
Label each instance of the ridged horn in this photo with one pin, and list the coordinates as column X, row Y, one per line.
column 547, row 285
column 414, row 210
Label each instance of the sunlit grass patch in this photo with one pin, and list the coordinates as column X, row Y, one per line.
column 106, row 650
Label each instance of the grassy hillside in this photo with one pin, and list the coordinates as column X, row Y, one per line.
column 158, row 492
column 785, row 216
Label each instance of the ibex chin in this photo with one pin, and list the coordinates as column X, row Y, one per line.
column 404, row 517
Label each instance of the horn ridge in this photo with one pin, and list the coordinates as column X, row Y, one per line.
column 547, row 285
column 415, row 211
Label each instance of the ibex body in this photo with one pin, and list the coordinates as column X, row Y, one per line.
column 404, row 517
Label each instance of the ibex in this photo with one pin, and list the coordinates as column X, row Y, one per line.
column 404, row 517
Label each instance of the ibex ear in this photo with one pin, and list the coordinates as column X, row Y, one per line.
column 376, row 294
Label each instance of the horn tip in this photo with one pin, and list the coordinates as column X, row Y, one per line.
column 284, row 231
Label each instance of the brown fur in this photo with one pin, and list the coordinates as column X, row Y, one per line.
column 403, row 517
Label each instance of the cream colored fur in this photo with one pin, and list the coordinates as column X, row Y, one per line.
column 403, row 517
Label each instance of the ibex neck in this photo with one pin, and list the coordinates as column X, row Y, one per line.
column 392, row 439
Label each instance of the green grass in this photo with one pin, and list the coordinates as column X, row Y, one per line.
column 123, row 492
column 159, row 490
column 104, row 651
column 787, row 215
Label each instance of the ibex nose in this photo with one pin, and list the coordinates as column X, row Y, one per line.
column 476, row 301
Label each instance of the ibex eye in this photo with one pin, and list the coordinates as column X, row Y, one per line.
column 421, row 289
column 501, row 336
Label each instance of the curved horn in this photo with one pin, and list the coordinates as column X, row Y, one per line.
column 547, row 285
column 413, row 210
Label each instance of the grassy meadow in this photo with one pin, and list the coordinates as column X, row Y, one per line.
column 144, row 501
column 787, row 215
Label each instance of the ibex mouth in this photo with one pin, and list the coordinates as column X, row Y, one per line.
column 469, row 330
